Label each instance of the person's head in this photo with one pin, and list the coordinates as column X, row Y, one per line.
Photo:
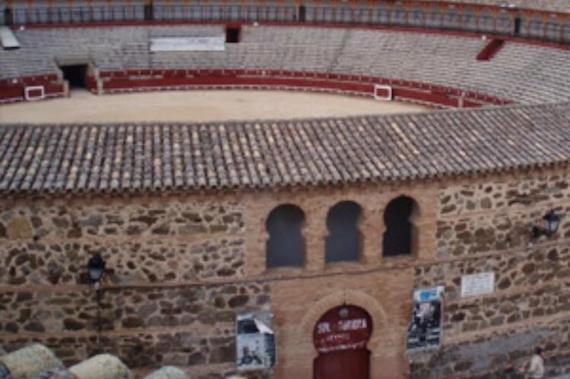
column 538, row 350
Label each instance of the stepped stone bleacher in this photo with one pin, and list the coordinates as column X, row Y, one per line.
column 64, row 11
column 548, row 5
column 535, row 23
column 520, row 72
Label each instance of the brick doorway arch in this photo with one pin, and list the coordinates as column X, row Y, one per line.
column 341, row 336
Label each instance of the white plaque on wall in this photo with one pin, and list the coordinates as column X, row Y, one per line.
column 477, row 284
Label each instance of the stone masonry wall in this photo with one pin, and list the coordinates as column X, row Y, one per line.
column 485, row 225
column 182, row 267
column 49, row 244
column 154, row 261
column 129, row 308
column 171, row 294
column 487, row 358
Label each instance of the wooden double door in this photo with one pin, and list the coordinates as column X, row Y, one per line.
column 353, row 364
column 340, row 337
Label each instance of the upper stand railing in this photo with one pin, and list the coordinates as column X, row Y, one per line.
column 493, row 20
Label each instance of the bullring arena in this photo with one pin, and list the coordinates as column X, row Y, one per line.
column 288, row 190
column 197, row 106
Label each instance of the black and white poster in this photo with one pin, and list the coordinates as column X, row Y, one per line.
column 425, row 327
column 255, row 342
column 4, row 372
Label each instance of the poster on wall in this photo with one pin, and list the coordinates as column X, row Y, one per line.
column 425, row 327
column 255, row 342
column 4, row 372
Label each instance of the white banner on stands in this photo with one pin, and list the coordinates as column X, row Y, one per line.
column 188, row 44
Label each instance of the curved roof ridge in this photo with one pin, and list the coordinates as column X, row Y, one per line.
column 281, row 153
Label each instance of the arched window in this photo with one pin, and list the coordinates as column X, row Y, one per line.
column 400, row 231
column 285, row 246
column 343, row 241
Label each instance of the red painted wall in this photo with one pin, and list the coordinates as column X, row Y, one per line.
column 140, row 80
column 146, row 80
column 13, row 89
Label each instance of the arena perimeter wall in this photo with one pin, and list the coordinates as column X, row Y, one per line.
column 110, row 82
column 182, row 266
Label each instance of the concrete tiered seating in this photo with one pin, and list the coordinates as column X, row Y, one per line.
column 521, row 72
column 550, row 5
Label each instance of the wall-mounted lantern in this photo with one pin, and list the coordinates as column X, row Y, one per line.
column 343, row 312
column 96, row 269
column 549, row 227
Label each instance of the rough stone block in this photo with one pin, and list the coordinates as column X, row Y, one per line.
column 103, row 366
column 30, row 361
column 19, row 227
column 56, row 373
column 168, row 372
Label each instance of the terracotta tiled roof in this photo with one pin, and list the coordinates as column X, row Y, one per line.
column 97, row 158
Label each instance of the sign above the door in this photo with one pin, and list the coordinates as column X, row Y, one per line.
column 343, row 328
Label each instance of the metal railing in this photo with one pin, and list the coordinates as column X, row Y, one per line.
column 492, row 20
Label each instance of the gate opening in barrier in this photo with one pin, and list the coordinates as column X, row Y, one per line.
column 76, row 75
column 233, row 33
column 302, row 15
column 382, row 92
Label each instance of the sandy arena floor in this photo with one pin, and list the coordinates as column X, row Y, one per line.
column 199, row 106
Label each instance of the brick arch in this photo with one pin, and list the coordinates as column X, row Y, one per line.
column 418, row 212
column 351, row 297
